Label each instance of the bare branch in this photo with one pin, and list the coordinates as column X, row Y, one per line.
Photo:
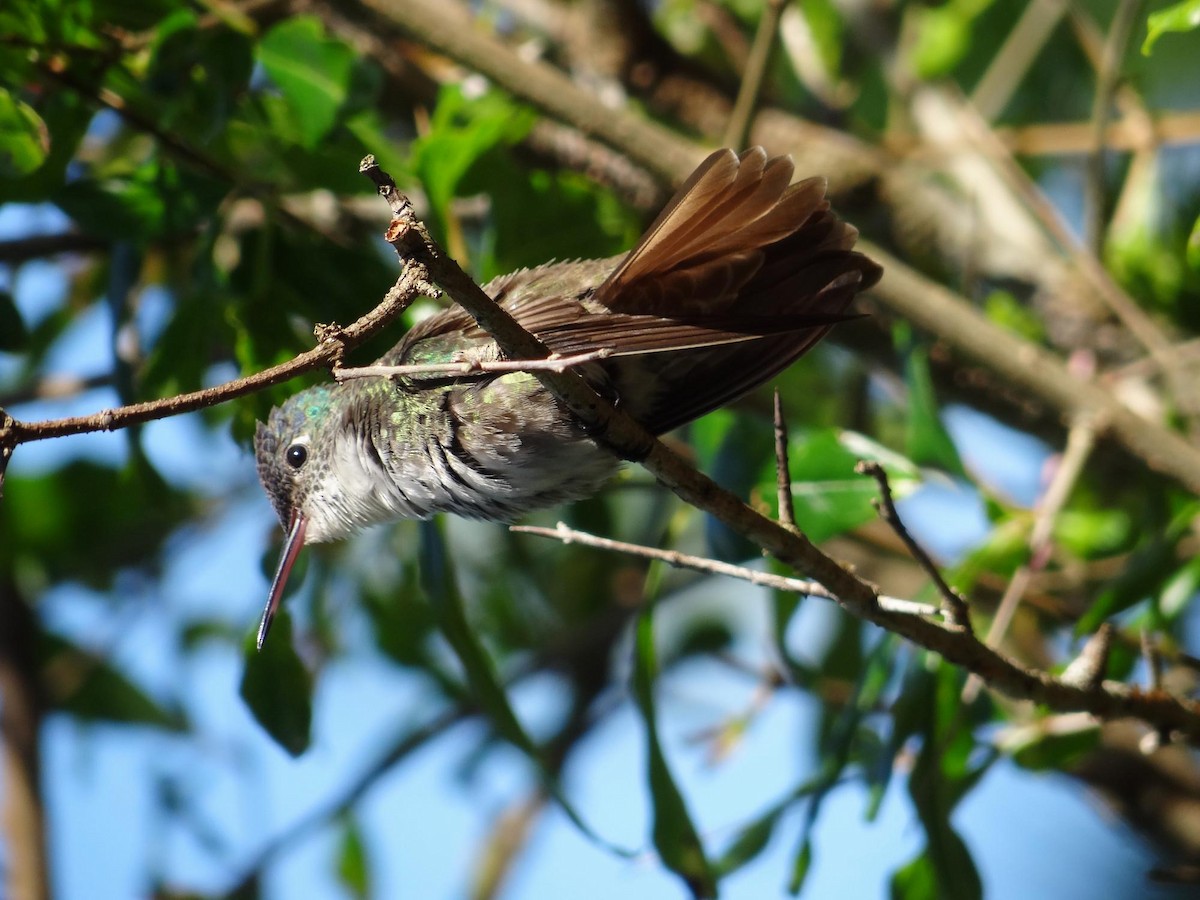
column 566, row 534
column 783, row 472
column 953, row 603
column 333, row 343
column 738, row 130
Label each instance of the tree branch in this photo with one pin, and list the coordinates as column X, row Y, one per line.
column 629, row 440
column 332, row 344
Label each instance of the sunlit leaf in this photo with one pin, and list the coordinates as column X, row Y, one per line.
column 24, row 138
column 829, row 495
column 1180, row 17
column 312, row 71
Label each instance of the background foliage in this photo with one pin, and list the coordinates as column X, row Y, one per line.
column 181, row 204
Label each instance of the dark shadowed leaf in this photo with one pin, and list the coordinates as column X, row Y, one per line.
column 278, row 688
column 675, row 836
column 12, row 328
column 89, row 687
column 927, row 442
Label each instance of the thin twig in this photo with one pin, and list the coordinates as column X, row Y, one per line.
column 1016, row 55
column 953, row 604
column 566, row 534
column 1107, row 76
column 1080, row 441
column 411, row 283
column 737, row 131
column 783, row 471
column 475, row 366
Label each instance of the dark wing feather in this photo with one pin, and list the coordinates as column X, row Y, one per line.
column 739, row 275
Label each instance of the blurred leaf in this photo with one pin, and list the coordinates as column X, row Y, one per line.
column 24, row 138
column 675, row 836
column 13, row 335
column 927, row 441
column 353, row 870
column 88, row 687
column 941, row 777
column 278, row 688
column 1180, row 17
column 438, row 581
column 1180, row 589
column 128, row 515
column 538, row 215
column 1005, row 310
column 1136, row 250
column 151, row 200
column 198, row 74
column 1042, row 746
column 827, row 31
column 1092, row 533
column 312, row 71
column 942, row 39
column 1144, row 574
column 1193, row 246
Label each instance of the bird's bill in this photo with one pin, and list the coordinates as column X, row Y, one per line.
column 291, row 550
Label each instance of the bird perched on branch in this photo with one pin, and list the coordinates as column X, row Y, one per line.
column 739, row 275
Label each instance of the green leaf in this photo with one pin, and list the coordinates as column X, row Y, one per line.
column 1144, row 574
column 1180, row 589
column 463, row 130
column 675, row 836
column 1181, row 17
column 942, row 39
column 1039, row 748
column 1092, row 533
column 353, row 869
column 927, row 442
column 278, row 688
column 24, row 138
column 13, row 334
column 437, row 579
column 312, row 71
column 941, row 777
column 86, row 686
column 830, row 497
column 1193, row 246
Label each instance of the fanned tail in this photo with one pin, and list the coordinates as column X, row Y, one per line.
column 743, row 272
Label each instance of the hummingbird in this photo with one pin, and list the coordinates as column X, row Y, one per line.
column 740, row 274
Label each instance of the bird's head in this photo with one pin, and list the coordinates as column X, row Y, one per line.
column 300, row 452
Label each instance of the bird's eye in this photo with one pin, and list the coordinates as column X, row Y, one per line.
column 296, row 455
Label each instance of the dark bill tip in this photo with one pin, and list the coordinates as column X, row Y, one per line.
column 291, row 551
